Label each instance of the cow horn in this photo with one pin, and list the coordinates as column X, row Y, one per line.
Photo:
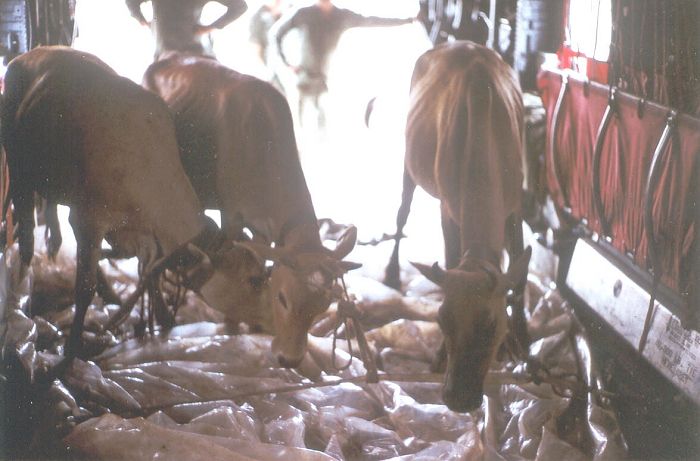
column 434, row 273
column 268, row 253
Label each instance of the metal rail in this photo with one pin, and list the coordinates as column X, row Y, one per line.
column 654, row 254
column 556, row 169
column 610, row 110
column 652, row 182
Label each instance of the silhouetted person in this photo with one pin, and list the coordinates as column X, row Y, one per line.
column 321, row 26
column 442, row 23
column 176, row 23
column 260, row 24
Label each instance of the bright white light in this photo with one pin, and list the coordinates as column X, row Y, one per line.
column 107, row 30
column 590, row 27
column 354, row 173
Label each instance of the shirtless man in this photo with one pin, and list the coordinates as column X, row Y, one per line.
column 176, row 23
column 261, row 22
column 321, row 26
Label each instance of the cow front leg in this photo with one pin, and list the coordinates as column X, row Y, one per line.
column 392, row 273
column 518, row 323
column 450, row 233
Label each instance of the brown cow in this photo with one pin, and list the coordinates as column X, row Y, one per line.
column 78, row 134
column 463, row 146
column 238, row 146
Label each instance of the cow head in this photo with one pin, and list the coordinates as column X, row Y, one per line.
column 301, row 287
column 233, row 281
column 473, row 321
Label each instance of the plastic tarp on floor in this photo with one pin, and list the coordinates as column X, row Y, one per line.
column 179, row 395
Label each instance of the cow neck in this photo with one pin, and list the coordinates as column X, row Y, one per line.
column 211, row 239
column 301, row 235
column 482, row 259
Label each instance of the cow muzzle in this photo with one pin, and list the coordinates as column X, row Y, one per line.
column 287, row 362
column 462, row 394
column 288, row 357
column 462, row 402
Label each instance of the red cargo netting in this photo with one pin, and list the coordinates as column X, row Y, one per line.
column 627, row 146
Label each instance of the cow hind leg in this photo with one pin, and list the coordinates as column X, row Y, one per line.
column 88, row 253
column 392, row 273
column 453, row 254
column 105, row 289
column 24, row 216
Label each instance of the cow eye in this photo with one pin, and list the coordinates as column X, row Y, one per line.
column 283, row 300
column 257, row 282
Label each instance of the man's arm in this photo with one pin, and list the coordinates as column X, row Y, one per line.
column 283, row 30
column 135, row 10
column 256, row 28
column 353, row 19
column 235, row 8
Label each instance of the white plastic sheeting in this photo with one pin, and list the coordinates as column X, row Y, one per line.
column 177, row 396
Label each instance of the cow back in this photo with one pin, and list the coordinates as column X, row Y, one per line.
column 464, row 138
column 85, row 137
column 236, row 134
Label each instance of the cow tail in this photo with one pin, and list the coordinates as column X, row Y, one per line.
column 16, row 178
column 5, row 218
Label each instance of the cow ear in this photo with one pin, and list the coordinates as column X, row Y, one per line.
column 434, row 273
column 346, row 266
column 517, row 272
column 346, row 243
